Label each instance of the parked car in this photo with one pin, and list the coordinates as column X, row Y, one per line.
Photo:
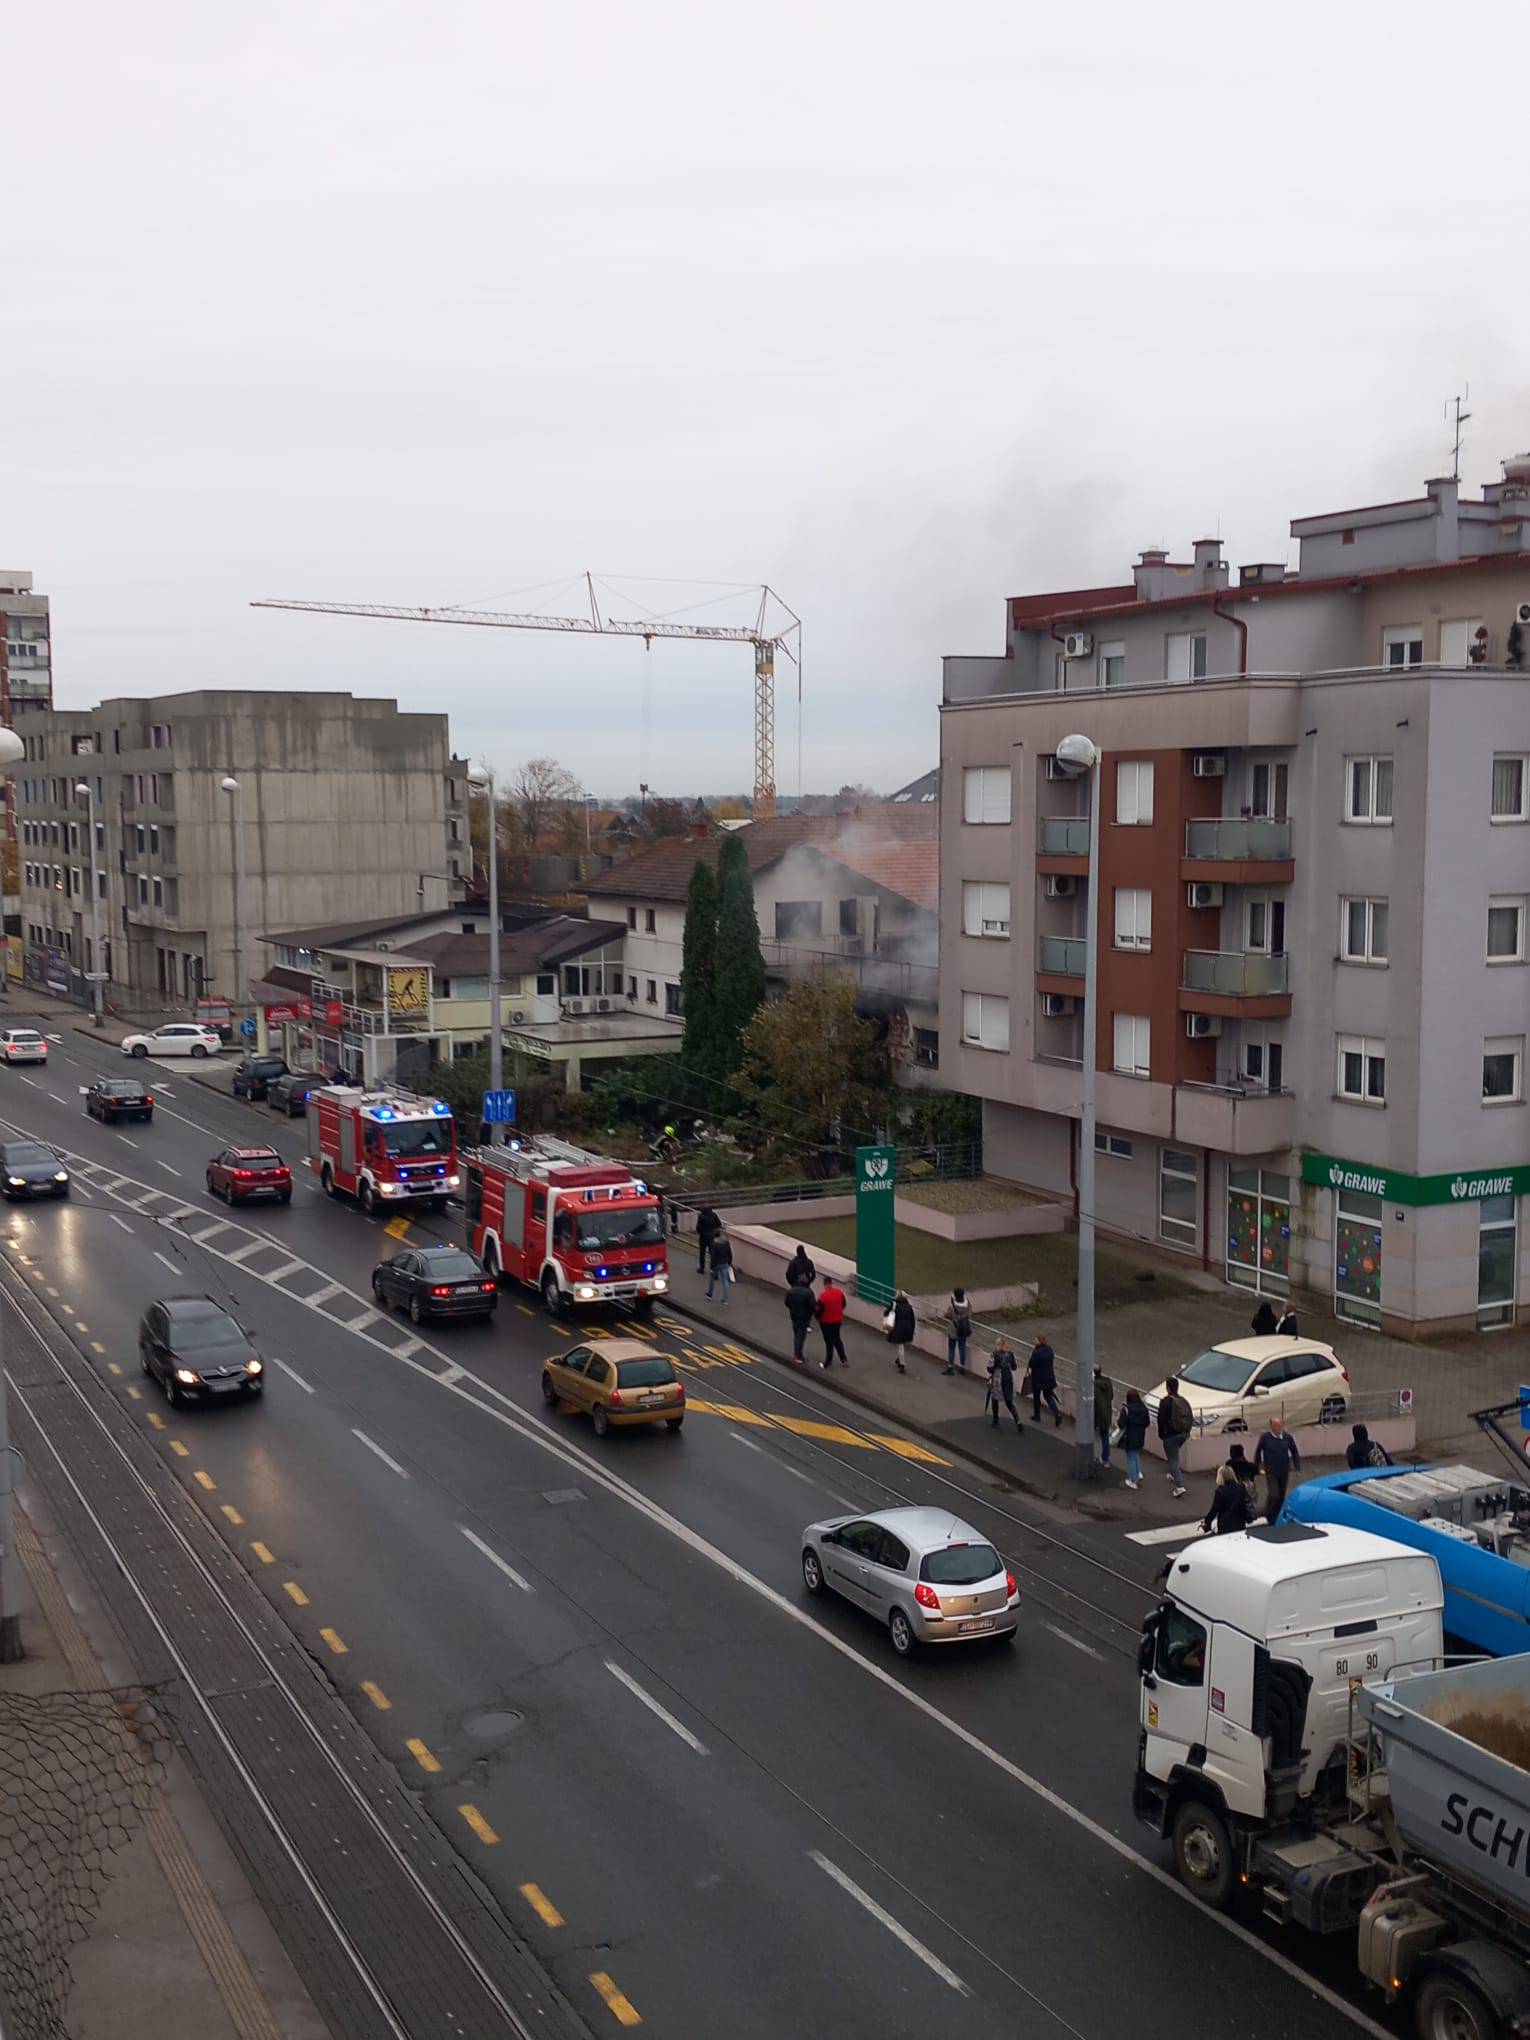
column 255, row 1074
column 181, row 1037
column 1248, row 1381
column 289, row 1092
column 620, row 1381
column 23, row 1044
column 215, row 1013
column 241, row 1174
column 30, row 1168
column 436, row 1282
column 924, row 1574
column 112, row 1098
column 197, row 1352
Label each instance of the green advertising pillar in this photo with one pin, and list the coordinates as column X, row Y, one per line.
column 876, row 1170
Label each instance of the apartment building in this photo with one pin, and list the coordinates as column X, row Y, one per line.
column 1310, row 907
column 26, row 682
column 342, row 803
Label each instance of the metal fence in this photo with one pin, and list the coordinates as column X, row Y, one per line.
column 944, row 1162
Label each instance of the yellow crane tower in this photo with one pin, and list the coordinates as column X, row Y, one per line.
column 788, row 639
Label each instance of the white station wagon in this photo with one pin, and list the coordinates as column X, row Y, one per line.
column 182, row 1037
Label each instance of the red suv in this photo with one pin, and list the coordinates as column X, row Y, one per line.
column 240, row 1173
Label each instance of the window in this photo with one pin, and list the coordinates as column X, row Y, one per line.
column 985, row 793
column 1403, row 645
column 1457, row 638
column 985, row 1021
column 1509, row 787
column 1113, row 1144
column 139, row 838
column 153, row 842
column 1363, row 931
column 1268, row 779
column 1502, row 1061
column 1264, row 923
column 1134, row 917
column 632, row 919
column 1134, row 790
column 1132, row 1035
column 1179, row 1651
column 1363, row 1069
column 143, row 892
column 649, row 922
column 672, row 999
column 631, row 987
column 985, row 909
column 1368, row 790
column 547, row 984
column 1506, row 929
column 159, row 736
column 100, row 885
column 1496, row 1258
column 1178, row 1195
column 797, row 918
column 1184, row 655
column 653, row 991
column 850, row 917
column 1113, row 662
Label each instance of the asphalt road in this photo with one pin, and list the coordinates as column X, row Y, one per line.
column 711, row 1805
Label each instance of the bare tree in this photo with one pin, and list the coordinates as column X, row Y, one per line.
column 540, row 794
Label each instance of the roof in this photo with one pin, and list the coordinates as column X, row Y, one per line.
column 663, row 871
column 1273, row 1348
column 334, row 934
column 928, row 1528
column 912, row 870
column 1239, row 1578
column 520, row 950
column 925, row 787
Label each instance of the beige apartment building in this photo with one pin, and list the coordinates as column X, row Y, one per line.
column 1311, row 905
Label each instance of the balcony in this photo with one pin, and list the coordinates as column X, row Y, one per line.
column 1061, row 956
column 1065, row 836
column 895, row 977
column 1241, row 850
column 1234, row 1119
column 1236, row 983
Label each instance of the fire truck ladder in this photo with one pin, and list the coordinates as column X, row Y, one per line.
column 787, row 639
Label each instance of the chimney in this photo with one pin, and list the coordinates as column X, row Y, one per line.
column 1445, row 494
column 1210, row 570
column 1261, row 573
column 1147, row 574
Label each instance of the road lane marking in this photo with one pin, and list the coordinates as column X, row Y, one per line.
column 120, row 1221
column 135, row 1393
column 280, row 1274
column 372, row 1446
column 166, row 1166
column 50, row 1289
column 785, row 1466
column 156, row 1420
column 262, row 1552
column 128, row 1138
column 231, row 1512
column 657, row 1707
column 397, row 1228
column 479, row 1825
column 494, row 1558
column 26, row 1079
column 112, row 1367
column 205, row 1480
column 57, row 1099
column 333, row 1641
column 422, row 1755
column 894, row 1927
column 291, row 1588
column 626, row 2013
column 376, row 1695
column 166, row 1262
column 322, row 1295
column 525, row 1310
column 97, row 1347
column 238, row 1254
column 1172, row 1533
column 181, row 1451
column 1077, row 1643
column 452, row 1374
column 541, row 1905
column 293, row 1375
column 907, row 1449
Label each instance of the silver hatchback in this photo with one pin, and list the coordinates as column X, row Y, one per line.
column 930, row 1577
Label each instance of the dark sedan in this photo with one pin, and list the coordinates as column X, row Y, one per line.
column 197, row 1352
column 432, row 1282
column 30, row 1168
column 256, row 1073
column 112, row 1098
column 289, row 1092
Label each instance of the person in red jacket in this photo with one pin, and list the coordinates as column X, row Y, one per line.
column 831, row 1315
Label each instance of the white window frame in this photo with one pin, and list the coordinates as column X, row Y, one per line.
column 1112, row 653
column 1368, row 814
column 1468, row 626
column 1402, row 637
column 986, row 795
column 1131, row 1044
column 1183, row 1232
column 1134, row 792
column 1277, row 782
column 1372, row 1051
column 985, row 909
column 1510, row 1045
column 1520, row 759
column 985, row 1022
column 1134, row 917
column 1501, row 902
column 1113, row 1144
column 1368, row 953
column 1184, row 656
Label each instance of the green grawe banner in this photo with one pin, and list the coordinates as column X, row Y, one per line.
column 876, row 1171
column 1396, row 1187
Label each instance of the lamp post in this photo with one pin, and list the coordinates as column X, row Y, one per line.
column 242, row 986
column 482, row 776
column 1081, row 756
column 12, row 1649
column 97, row 974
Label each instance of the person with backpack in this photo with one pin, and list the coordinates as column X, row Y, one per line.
column 1364, row 1450
column 800, row 1267
column 708, row 1226
column 900, row 1324
column 1133, row 1426
column 831, row 1319
column 721, row 1257
column 1230, row 1508
column 801, row 1308
column 1001, row 1383
column 959, row 1323
column 1176, row 1421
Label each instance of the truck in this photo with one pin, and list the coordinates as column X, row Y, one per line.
column 384, row 1148
column 576, row 1226
column 1304, row 1744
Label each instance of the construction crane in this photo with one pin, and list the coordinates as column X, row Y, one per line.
column 787, row 639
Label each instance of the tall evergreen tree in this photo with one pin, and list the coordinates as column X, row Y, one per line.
column 698, row 973
column 740, row 983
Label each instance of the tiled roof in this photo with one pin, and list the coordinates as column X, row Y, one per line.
column 912, row 870
column 663, row 871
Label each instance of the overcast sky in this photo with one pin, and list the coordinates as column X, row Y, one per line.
column 901, row 309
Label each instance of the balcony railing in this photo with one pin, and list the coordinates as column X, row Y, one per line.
column 1236, row 973
column 1065, row 836
column 1236, row 841
column 1062, row 955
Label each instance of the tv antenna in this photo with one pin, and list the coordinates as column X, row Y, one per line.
column 1462, row 417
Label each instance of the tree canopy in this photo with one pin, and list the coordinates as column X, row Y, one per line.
column 740, row 988
column 699, row 1050
column 812, row 1068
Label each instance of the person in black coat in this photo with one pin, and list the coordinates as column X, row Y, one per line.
column 1263, row 1320
column 1043, row 1373
column 800, row 1267
column 901, row 1325
column 1288, row 1327
column 1230, row 1509
column 802, row 1309
column 1134, row 1421
column 721, row 1257
column 1363, row 1449
column 708, row 1226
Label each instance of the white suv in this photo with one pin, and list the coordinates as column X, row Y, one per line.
column 183, row 1037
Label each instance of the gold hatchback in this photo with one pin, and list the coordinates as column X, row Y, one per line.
column 619, row 1381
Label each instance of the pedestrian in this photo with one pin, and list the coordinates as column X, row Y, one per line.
column 899, row 1323
column 831, row 1319
column 708, row 1226
column 1043, row 1376
column 721, row 1258
column 800, row 1267
column 959, row 1323
column 1176, row 1420
column 1263, row 1320
column 1104, row 1402
column 801, row 1308
column 1133, row 1423
column 1245, row 1469
column 1001, row 1383
column 1364, row 1450
column 1230, row 1508
column 1276, row 1454
column 1287, row 1328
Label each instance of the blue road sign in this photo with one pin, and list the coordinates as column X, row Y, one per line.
column 247, row 1029
column 499, row 1108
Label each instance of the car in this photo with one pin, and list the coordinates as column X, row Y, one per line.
column 181, row 1037
column 1247, row 1381
column 924, row 1574
column 436, row 1282
column 30, row 1168
column 618, row 1382
column 289, row 1092
column 198, row 1352
column 241, row 1174
column 111, row 1098
column 23, row 1044
column 254, row 1074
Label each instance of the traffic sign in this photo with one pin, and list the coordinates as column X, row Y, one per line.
column 248, row 1029
column 499, row 1108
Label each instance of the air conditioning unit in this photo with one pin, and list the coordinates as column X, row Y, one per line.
column 1078, row 644
column 1202, row 1026
column 1209, row 765
column 1522, row 615
column 1052, row 767
column 517, row 1019
column 573, row 1005
column 602, row 1005
column 1061, row 886
column 1057, row 1005
column 1202, row 893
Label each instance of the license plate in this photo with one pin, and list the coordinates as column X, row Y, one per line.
column 979, row 1622
column 651, row 1401
column 223, row 1387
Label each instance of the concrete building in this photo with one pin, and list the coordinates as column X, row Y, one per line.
column 343, row 802
column 1312, row 906
column 26, row 682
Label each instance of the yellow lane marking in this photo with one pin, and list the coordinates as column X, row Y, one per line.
column 180, row 1451
column 422, row 1755
column 541, row 1905
column 736, row 1411
column 80, row 1325
column 262, row 1552
column 112, row 1367
column 135, row 1393
column 397, row 1228
column 231, row 1512
column 292, row 1588
column 156, row 1420
column 525, row 1310
column 623, row 2009
column 478, row 1824
column 563, row 1331
column 376, row 1695
column 808, row 1427
column 51, row 1290
column 907, row 1449
column 205, row 1480
column 333, row 1641
column 97, row 1347
column 639, row 1330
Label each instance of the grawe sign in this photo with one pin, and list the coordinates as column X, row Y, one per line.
column 876, row 1171
column 1394, row 1186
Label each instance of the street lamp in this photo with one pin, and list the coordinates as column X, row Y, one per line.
column 241, row 988
column 97, row 974
column 12, row 1649
column 482, row 776
column 1080, row 756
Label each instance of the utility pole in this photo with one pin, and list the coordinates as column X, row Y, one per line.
column 1082, row 756
column 12, row 1649
column 97, row 973
column 483, row 776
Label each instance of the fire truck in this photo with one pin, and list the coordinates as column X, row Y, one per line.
column 576, row 1226
column 382, row 1147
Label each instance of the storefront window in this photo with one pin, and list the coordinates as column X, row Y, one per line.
column 1177, row 1195
column 1259, row 1230
column 1357, row 1257
column 1497, row 1252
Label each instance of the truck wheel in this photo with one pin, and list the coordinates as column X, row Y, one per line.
column 366, row 1197
column 552, row 1295
column 1203, row 1855
column 491, row 1259
column 327, row 1179
column 1448, row 2009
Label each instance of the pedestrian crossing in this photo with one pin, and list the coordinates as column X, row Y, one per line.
column 1166, row 1533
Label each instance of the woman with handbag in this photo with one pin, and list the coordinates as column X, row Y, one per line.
column 959, row 1329
column 1132, row 1429
column 899, row 1324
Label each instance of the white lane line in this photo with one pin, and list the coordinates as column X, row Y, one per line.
column 494, row 1558
column 120, row 1221
column 286, row 1268
column 1087, row 1648
column 26, row 1079
column 655, row 1707
column 166, row 1261
column 1173, row 1533
column 293, row 1375
column 894, row 1927
column 128, row 1138
column 57, row 1099
column 323, row 1295
column 169, row 1171
column 372, row 1446
column 786, row 1467
column 163, row 1091
column 243, row 1253
column 451, row 1375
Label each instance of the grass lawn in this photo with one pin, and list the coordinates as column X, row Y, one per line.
column 929, row 1266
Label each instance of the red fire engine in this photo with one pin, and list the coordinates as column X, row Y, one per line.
column 578, row 1227
column 382, row 1147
